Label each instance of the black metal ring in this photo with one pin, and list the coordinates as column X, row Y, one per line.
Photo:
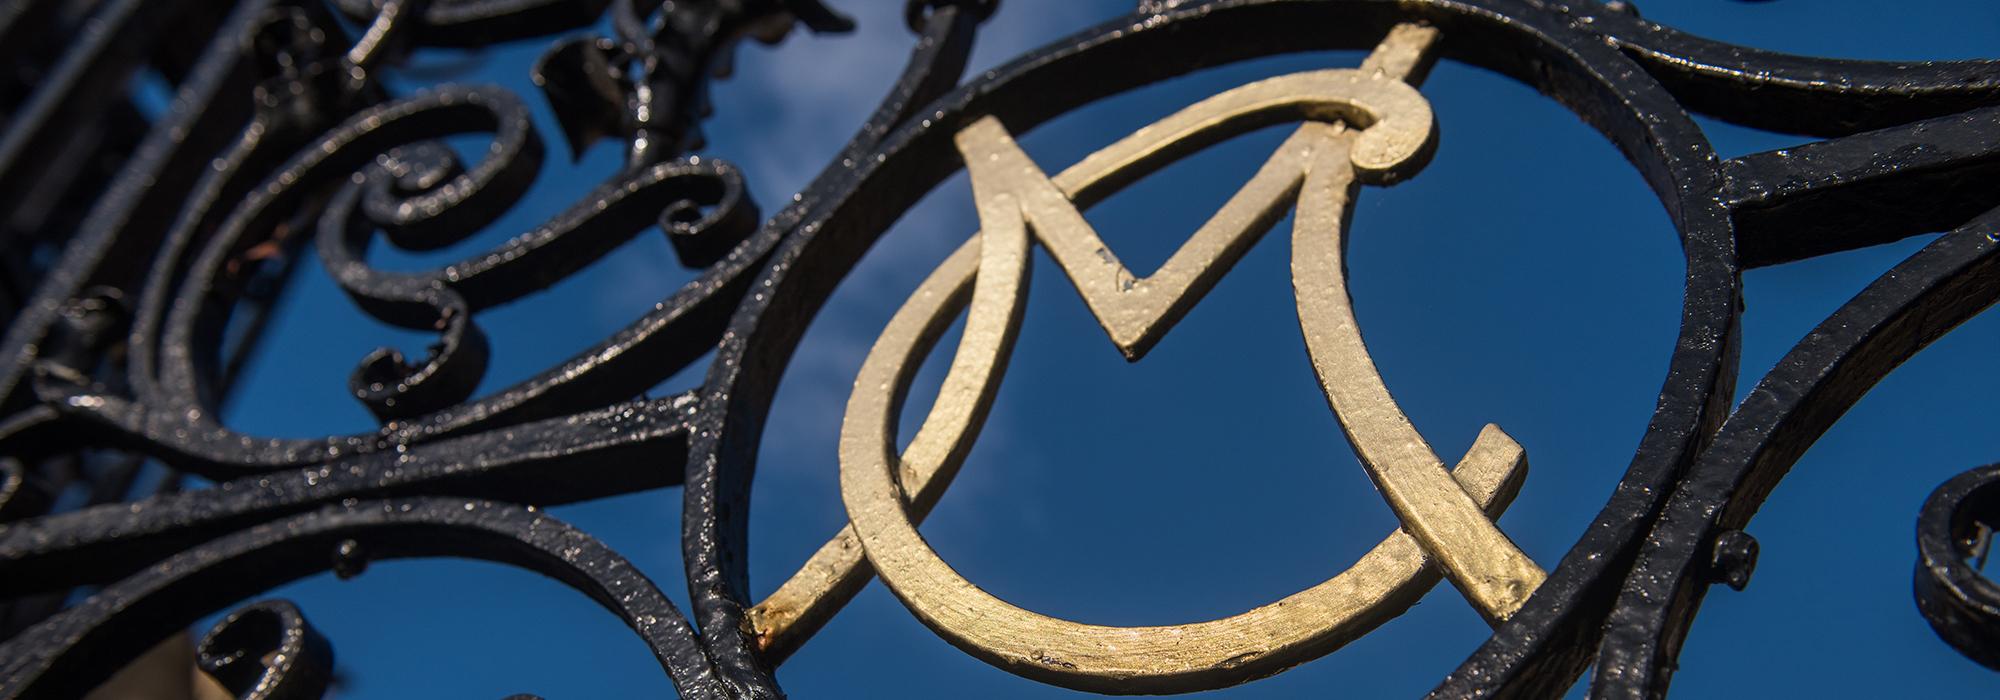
column 1962, row 604
column 1547, row 643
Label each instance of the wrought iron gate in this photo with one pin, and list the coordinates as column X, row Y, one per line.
column 143, row 254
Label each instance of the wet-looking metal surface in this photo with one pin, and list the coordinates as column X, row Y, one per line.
column 143, row 251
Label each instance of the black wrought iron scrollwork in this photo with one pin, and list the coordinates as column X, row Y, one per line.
column 282, row 128
column 65, row 654
column 267, row 651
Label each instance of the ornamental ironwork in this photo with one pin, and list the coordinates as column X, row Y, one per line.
column 143, row 254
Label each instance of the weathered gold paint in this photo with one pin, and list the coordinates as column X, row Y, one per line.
column 1486, row 566
column 1446, row 515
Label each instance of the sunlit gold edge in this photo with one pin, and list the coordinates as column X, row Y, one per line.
column 808, row 590
column 1136, row 311
column 1479, row 559
column 1178, row 658
column 838, row 569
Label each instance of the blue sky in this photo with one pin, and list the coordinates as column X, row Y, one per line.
column 1526, row 277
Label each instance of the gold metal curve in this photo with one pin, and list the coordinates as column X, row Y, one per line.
column 1012, row 193
column 838, row 570
column 1486, row 566
column 1403, row 130
column 1380, row 585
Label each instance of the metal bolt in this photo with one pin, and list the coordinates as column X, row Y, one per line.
column 349, row 560
column 1732, row 558
column 1622, row 7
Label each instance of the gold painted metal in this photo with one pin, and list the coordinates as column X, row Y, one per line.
column 1446, row 515
column 1486, row 566
column 838, row 570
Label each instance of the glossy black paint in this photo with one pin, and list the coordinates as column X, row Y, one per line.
column 1961, row 604
column 234, row 650
column 281, row 129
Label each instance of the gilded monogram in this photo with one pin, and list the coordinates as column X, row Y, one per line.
column 1364, row 125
